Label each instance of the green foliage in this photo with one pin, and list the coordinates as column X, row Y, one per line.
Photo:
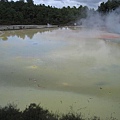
column 109, row 6
column 21, row 12
column 10, row 112
column 71, row 116
column 36, row 112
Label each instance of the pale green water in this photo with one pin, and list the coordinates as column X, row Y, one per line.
column 60, row 68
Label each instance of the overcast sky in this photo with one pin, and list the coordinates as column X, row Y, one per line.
column 61, row 3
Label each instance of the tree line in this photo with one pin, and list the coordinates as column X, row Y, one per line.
column 109, row 6
column 21, row 12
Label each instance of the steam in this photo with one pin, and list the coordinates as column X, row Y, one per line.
column 113, row 21
column 96, row 20
column 93, row 20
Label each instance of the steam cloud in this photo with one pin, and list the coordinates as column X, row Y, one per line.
column 113, row 21
column 96, row 20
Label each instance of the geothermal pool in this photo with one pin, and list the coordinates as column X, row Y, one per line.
column 63, row 69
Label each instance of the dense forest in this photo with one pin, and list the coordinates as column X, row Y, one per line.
column 109, row 6
column 21, row 12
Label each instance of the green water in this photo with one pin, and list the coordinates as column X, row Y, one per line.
column 64, row 69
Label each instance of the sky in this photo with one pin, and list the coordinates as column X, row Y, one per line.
column 71, row 3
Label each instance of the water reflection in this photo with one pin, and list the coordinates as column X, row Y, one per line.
column 22, row 34
column 74, row 66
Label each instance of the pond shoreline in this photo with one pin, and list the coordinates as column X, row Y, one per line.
column 18, row 27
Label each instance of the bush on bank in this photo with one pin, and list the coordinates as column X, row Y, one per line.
column 36, row 112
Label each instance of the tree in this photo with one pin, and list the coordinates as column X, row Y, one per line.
column 30, row 2
column 20, row 12
column 109, row 6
